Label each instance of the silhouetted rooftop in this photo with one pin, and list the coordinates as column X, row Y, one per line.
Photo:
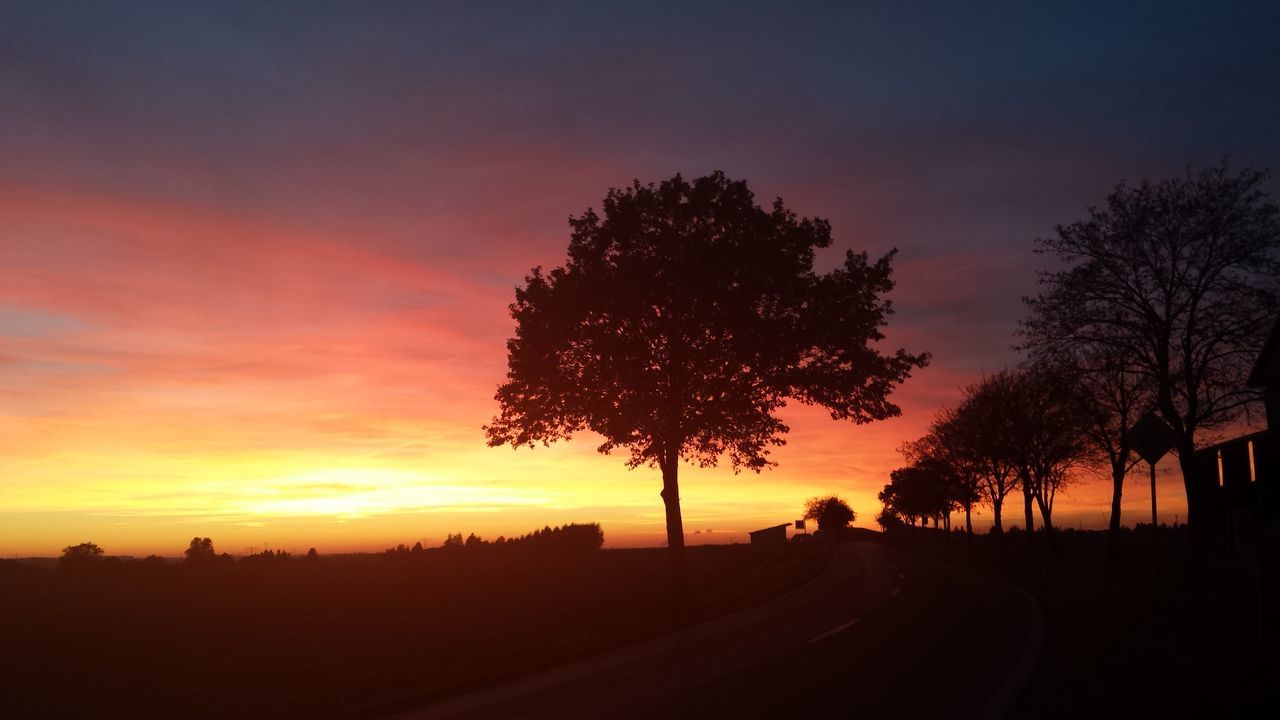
column 1266, row 370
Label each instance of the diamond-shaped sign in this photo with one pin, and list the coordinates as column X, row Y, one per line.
column 1151, row 437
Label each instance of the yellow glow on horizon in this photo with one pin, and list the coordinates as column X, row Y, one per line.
column 360, row 492
column 173, row 370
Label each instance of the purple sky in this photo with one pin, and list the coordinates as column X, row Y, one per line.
column 186, row 179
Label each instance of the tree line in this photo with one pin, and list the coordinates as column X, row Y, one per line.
column 572, row 537
column 1017, row 433
column 1159, row 301
column 200, row 552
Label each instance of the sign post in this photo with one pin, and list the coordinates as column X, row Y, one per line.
column 1151, row 437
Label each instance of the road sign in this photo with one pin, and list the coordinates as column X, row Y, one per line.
column 1151, row 437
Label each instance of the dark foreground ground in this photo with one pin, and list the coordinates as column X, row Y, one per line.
column 1152, row 639
column 352, row 637
column 860, row 641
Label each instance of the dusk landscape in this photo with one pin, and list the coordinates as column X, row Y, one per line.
column 434, row 360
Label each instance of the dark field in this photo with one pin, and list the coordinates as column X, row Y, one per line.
column 347, row 636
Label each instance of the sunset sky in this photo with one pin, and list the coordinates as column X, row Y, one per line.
column 255, row 259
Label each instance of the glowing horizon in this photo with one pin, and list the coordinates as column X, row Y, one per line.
column 256, row 270
column 242, row 386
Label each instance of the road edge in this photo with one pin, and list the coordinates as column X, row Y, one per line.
column 555, row 674
column 1004, row 697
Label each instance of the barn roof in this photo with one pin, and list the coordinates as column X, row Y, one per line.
column 1266, row 370
column 774, row 527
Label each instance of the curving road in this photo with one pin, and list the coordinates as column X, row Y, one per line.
column 879, row 634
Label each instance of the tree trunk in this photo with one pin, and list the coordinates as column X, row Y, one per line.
column 1113, row 528
column 1046, row 516
column 1195, row 503
column 1199, row 506
column 1029, row 514
column 968, row 519
column 675, row 526
column 996, row 526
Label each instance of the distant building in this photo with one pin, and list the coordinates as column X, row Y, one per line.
column 770, row 540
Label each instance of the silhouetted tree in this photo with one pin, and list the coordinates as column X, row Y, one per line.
column 1182, row 279
column 960, row 476
column 76, row 558
column 684, row 318
column 312, row 555
column 832, row 514
column 888, row 519
column 200, row 552
column 571, row 537
column 977, row 434
column 916, row 494
column 1113, row 394
column 267, row 557
column 1048, row 419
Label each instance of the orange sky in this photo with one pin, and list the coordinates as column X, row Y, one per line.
column 171, row 371
column 255, row 258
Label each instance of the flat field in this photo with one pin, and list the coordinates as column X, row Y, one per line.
column 344, row 636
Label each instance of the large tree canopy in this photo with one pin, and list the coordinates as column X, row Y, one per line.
column 685, row 317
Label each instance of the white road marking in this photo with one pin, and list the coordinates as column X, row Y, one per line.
column 895, row 592
column 834, row 630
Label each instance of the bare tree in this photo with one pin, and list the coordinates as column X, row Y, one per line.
column 977, row 434
column 1048, row 419
column 1113, row 395
column 1181, row 278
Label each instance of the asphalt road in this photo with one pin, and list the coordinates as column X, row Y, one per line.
column 879, row 634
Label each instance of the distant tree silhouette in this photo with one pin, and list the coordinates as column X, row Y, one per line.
column 267, row 557
column 1048, row 422
column 977, row 434
column 960, row 476
column 572, row 537
column 1025, row 428
column 684, row 318
column 1181, row 279
column 888, row 519
column 200, row 552
column 832, row 514
column 312, row 555
column 76, row 558
column 917, row 494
